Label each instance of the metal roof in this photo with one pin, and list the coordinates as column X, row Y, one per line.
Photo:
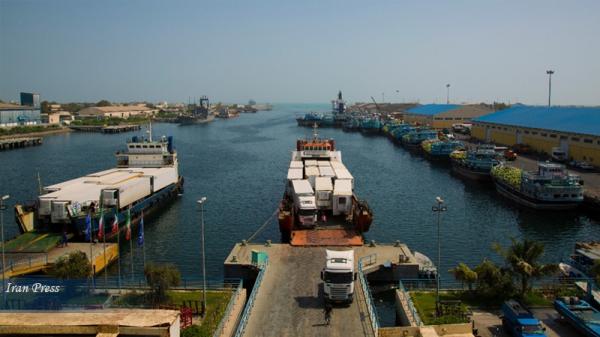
column 573, row 119
column 432, row 109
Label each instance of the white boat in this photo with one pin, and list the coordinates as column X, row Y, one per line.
column 425, row 263
column 570, row 271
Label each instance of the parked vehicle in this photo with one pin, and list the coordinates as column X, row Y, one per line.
column 558, row 155
column 338, row 276
column 519, row 321
column 580, row 314
column 510, row 155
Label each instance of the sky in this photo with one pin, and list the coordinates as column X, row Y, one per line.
column 301, row 51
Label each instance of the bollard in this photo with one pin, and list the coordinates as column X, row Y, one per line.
column 268, row 244
column 397, row 244
column 234, row 258
column 244, row 242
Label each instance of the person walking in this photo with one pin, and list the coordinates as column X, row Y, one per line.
column 327, row 311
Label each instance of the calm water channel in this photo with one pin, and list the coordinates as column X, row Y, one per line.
column 240, row 166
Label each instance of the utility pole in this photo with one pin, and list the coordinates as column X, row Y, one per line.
column 448, row 93
column 439, row 208
column 549, row 72
column 201, row 203
column 2, row 208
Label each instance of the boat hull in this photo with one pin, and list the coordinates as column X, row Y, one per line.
column 189, row 120
column 524, row 200
column 465, row 172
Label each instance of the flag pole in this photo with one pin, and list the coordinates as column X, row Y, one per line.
column 104, row 247
column 143, row 240
column 91, row 250
column 118, row 251
column 130, row 245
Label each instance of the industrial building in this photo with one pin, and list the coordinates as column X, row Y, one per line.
column 574, row 129
column 120, row 111
column 28, row 113
column 443, row 116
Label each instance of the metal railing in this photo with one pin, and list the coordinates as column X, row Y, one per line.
column 411, row 305
column 250, row 303
column 27, row 262
column 227, row 315
column 367, row 292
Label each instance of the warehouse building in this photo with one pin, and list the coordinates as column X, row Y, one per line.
column 120, row 111
column 576, row 130
column 16, row 115
column 443, row 116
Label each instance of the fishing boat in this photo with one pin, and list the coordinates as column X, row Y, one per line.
column 146, row 176
column 370, row 125
column 585, row 256
column 310, row 119
column 440, row 149
column 475, row 164
column 580, row 314
column 319, row 205
column 427, row 269
column 550, row 188
column 570, row 272
column 398, row 132
column 413, row 139
column 351, row 124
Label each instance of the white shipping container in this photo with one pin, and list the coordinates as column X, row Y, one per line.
column 323, row 192
column 45, row 207
column 323, row 163
column 294, row 174
column 310, row 162
column 342, row 197
column 337, row 164
column 302, row 187
column 326, row 172
column 296, row 164
column 344, row 174
column 134, row 190
column 311, row 172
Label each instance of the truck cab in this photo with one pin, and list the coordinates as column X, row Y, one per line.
column 305, row 205
column 559, row 155
column 520, row 322
column 338, row 276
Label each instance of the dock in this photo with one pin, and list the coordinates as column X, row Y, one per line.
column 16, row 143
column 24, row 263
column 106, row 129
column 288, row 298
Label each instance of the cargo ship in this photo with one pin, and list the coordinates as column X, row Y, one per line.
column 319, row 206
column 580, row 314
column 475, row 164
column 145, row 177
column 550, row 188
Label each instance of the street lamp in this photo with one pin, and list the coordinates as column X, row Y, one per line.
column 2, row 208
column 549, row 72
column 439, row 208
column 448, row 93
column 201, row 203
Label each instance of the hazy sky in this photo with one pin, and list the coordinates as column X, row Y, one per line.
column 301, row 51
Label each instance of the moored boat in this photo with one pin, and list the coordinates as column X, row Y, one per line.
column 370, row 125
column 580, row 314
column 550, row 188
column 475, row 164
column 146, row 176
column 319, row 198
column 440, row 149
column 585, row 256
column 413, row 139
column 197, row 114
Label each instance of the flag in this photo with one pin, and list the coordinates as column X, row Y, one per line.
column 128, row 225
column 140, row 239
column 115, row 225
column 101, row 225
column 88, row 227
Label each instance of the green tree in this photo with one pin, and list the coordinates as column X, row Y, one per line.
column 103, row 103
column 160, row 277
column 522, row 261
column 493, row 283
column 464, row 274
column 75, row 265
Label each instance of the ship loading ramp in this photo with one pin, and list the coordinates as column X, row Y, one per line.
column 288, row 300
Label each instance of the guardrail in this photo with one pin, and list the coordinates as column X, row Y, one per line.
column 227, row 314
column 27, row 262
column 250, row 303
column 367, row 292
column 411, row 305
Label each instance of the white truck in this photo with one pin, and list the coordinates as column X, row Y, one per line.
column 338, row 276
column 323, row 192
column 305, row 205
column 559, row 155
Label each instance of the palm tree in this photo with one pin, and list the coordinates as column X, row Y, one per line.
column 522, row 259
column 464, row 274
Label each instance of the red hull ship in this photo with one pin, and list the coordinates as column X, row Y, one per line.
column 319, row 206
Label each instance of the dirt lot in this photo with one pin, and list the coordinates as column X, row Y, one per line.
column 489, row 324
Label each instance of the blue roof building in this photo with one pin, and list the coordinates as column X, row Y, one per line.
column 572, row 119
column 576, row 130
column 432, row 109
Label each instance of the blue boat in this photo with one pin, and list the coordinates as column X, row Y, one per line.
column 441, row 149
column 351, row 124
column 580, row 314
column 398, row 132
column 371, row 125
column 475, row 164
column 310, row 119
column 413, row 139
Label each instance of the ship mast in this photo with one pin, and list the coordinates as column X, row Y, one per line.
column 315, row 133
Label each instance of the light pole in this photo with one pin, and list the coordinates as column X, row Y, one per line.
column 448, row 93
column 2, row 207
column 439, row 208
column 549, row 72
column 201, row 203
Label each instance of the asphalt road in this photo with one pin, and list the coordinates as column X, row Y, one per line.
column 489, row 324
column 289, row 301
